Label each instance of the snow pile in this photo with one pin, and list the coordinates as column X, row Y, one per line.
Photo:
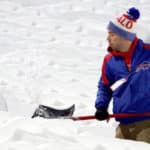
column 51, row 53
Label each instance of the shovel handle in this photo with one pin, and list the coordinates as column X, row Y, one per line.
column 119, row 115
column 83, row 118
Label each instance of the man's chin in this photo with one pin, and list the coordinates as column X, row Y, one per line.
column 111, row 46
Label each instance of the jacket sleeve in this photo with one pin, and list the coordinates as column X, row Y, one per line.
column 104, row 93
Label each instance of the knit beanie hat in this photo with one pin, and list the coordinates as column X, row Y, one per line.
column 125, row 25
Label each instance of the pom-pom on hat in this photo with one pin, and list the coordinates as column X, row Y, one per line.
column 125, row 25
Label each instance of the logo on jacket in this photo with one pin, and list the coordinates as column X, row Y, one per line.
column 143, row 66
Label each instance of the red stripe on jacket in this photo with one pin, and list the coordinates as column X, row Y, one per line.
column 146, row 46
column 104, row 77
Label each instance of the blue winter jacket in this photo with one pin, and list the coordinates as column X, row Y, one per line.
column 133, row 96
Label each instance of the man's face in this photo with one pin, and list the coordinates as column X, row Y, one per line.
column 114, row 40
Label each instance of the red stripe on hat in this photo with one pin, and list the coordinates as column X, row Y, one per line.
column 127, row 16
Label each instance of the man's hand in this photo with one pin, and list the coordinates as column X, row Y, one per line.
column 101, row 114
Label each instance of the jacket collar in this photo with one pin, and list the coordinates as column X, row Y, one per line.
column 124, row 54
column 127, row 56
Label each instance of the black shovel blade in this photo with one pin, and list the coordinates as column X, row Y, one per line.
column 52, row 113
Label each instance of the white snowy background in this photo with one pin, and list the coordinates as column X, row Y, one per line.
column 51, row 53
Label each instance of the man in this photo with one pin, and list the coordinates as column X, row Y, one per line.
column 126, row 78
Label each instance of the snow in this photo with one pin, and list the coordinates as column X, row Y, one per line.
column 51, row 54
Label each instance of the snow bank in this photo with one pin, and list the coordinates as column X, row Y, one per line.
column 51, row 53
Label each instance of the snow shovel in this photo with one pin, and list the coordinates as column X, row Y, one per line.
column 53, row 113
